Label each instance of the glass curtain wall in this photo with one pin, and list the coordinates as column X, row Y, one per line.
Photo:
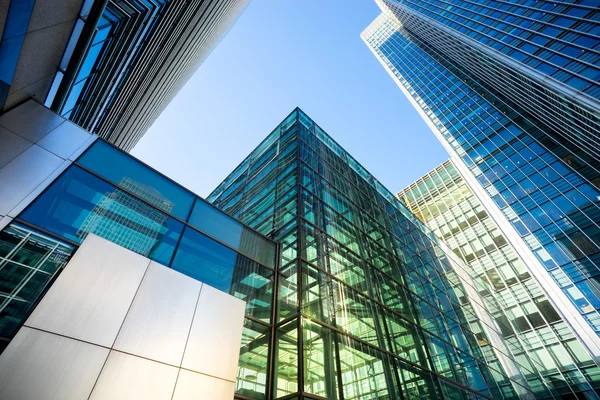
column 130, row 204
column 547, row 187
column 369, row 303
column 443, row 200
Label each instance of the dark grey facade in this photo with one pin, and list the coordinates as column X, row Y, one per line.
column 109, row 66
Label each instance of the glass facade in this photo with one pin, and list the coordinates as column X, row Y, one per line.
column 369, row 304
column 545, row 186
column 130, row 204
column 443, row 200
column 543, row 56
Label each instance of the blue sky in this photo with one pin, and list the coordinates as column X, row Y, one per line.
column 279, row 55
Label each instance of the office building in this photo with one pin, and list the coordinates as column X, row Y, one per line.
column 446, row 204
column 370, row 304
column 109, row 66
column 112, row 273
column 120, row 283
column 500, row 85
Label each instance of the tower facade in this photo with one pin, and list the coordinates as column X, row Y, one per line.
column 533, row 164
column 109, row 66
column 443, row 200
column 369, row 303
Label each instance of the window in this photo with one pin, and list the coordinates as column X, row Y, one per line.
column 130, row 174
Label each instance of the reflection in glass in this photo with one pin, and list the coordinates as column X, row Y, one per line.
column 122, row 168
column 226, row 229
column 208, row 261
column 252, row 367
column 79, row 203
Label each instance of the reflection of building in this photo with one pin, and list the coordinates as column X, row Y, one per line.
column 512, row 92
column 444, row 201
column 131, row 222
column 109, row 66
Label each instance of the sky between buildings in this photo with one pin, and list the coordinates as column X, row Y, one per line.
column 279, row 55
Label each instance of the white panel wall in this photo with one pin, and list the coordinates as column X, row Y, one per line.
column 116, row 325
column 35, row 146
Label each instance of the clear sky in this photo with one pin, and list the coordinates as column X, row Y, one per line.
column 279, row 55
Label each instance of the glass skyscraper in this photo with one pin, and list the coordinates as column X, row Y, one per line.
column 445, row 202
column 503, row 89
column 369, row 303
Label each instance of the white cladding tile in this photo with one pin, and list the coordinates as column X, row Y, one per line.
column 23, row 174
column 11, row 146
column 65, row 139
column 159, row 321
column 126, row 377
column 194, row 386
column 31, row 121
column 91, row 297
column 214, row 343
column 41, row 365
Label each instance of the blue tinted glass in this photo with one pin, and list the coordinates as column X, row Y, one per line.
column 202, row 258
column 226, row 229
column 79, row 203
column 135, row 177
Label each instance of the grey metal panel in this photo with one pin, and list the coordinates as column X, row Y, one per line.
column 22, row 175
column 214, row 343
column 38, row 189
column 90, row 298
column 11, row 146
column 159, row 321
column 65, row 139
column 39, row 59
column 40, row 365
column 128, row 377
column 4, row 221
column 194, row 386
column 31, row 121
column 47, row 13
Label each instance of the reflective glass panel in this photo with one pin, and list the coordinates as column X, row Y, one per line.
column 221, row 226
column 208, row 261
column 122, row 169
column 78, row 203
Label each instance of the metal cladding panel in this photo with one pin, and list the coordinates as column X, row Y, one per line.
column 193, row 386
column 126, row 377
column 31, row 121
column 65, row 139
column 41, row 365
column 158, row 323
column 23, row 174
column 216, row 333
column 12, row 146
column 90, row 299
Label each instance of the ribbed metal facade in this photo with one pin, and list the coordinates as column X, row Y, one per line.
column 127, row 59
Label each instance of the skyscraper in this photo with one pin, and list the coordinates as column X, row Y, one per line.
column 370, row 304
column 502, row 88
column 109, row 66
column 447, row 205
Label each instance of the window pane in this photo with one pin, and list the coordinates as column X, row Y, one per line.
column 135, row 177
column 209, row 219
column 78, row 203
column 202, row 258
column 28, row 261
column 252, row 367
column 286, row 360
